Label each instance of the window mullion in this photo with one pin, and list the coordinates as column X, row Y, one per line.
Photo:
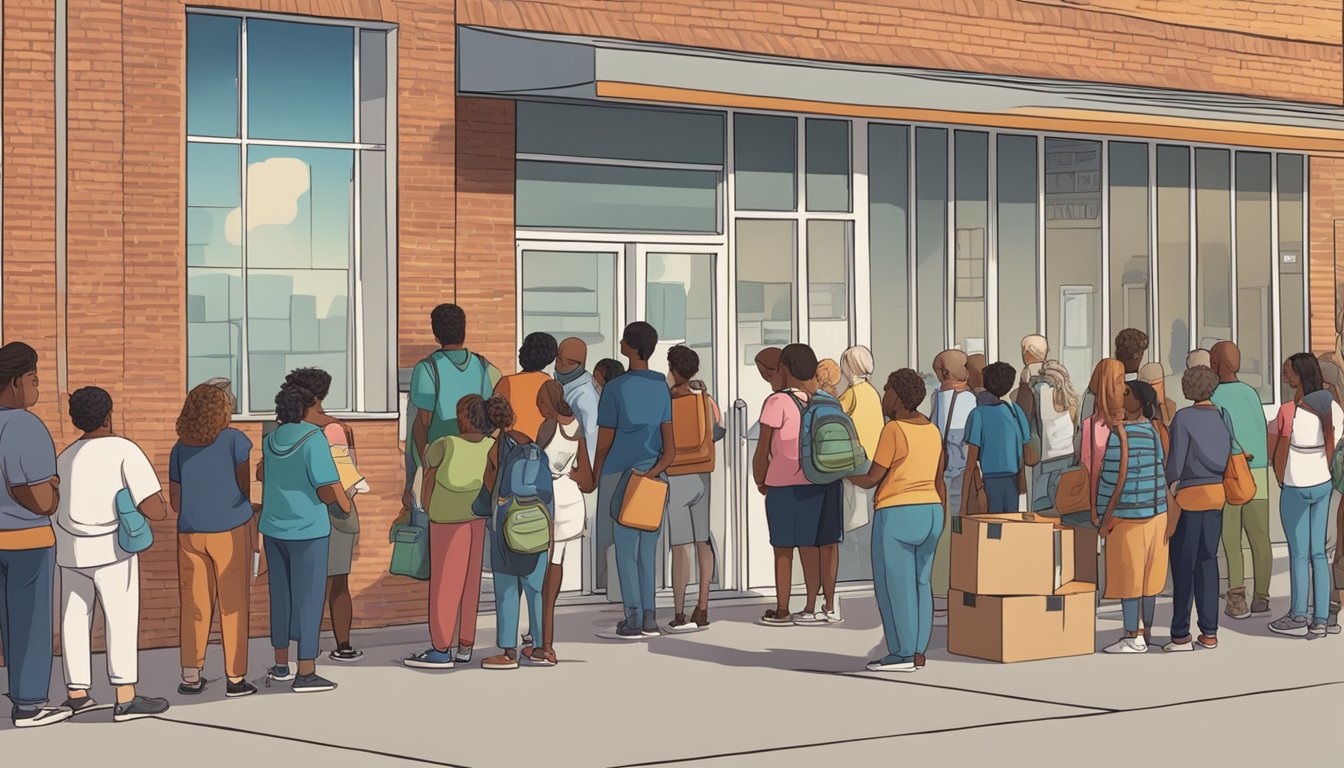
column 244, row 394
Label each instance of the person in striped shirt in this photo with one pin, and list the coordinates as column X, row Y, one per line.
column 1131, row 504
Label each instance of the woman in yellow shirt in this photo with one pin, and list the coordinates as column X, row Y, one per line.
column 910, row 514
column 863, row 403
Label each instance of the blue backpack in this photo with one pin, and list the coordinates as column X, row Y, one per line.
column 515, row 505
column 828, row 444
column 133, row 531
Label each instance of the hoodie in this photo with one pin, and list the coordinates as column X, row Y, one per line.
column 297, row 461
column 581, row 395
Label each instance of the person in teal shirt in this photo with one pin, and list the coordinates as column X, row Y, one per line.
column 1242, row 404
column 996, row 433
column 300, row 486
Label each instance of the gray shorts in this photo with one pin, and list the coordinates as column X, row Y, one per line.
column 341, row 554
column 687, row 509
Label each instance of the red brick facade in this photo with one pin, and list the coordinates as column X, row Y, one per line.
column 121, row 323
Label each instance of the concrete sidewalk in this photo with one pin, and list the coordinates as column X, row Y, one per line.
column 738, row 694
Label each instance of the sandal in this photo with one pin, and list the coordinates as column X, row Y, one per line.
column 776, row 618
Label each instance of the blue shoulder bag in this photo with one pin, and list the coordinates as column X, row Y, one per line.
column 133, row 532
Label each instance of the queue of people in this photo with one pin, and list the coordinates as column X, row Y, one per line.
column 504, row 468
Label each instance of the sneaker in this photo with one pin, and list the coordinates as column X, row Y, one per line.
column 700, row 617
column 626, row 632
column 1295, row 626
column 892, row 664
column 682, row 624
column 506, row 660
column 191, row 689
column 346, row 655
column 809, row 619
column 776, row 618
column 527, row 639
column 463, row 654
column 430, row 659
column 1316, row 629
column 1180, row 646
column 1237, row 607
column 651, row 628
column 36, row 717
column 1332, row 623
column 81, row 705
column 240, row 689
column 539, row 657
column 830, row 617
column 138, row 708
column 280, row 673
column 1260, row 607
column 920, row 661
column 1207, row 641
column 1127, row 645
column 313, row 683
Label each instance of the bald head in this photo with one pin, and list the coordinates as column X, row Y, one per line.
column 573, row 354
column 950, row 366
column 1225, row 360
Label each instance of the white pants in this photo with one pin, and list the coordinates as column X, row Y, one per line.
column 562, row 549
column 117, row 587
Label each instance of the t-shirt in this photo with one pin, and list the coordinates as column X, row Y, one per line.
column 295, row 468
column 1094, row 436
column 521, row 390
column 951, row 423
column 211, row 501
column 1144, row 494
column 910, row 452
column 459, row 373
column 782, row 415
column 1200, row 447
column 635, row 405
column 1242, row 404
column 27, row 457
column 999, row 431
column 1307, row 464
column 93, row 471
column 864, row 406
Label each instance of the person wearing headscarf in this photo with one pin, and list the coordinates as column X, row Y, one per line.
column 1048, row 399
column 1155, row 375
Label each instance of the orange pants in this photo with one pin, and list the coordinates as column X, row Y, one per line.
column 456, row 551
column 213, row 567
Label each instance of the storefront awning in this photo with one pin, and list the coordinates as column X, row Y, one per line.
column 494, row 62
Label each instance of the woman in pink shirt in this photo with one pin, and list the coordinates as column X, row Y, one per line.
column 800, row 515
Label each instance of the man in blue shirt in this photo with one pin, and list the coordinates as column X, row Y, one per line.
column 995, row 435
column 634, row 419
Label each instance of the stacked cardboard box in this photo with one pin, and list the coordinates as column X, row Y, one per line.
column 1021, row 590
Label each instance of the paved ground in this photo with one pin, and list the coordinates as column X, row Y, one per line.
column 741, row 694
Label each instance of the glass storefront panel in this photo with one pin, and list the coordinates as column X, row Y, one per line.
column 1213, row 246
column 765, row 162
column 679, row 295
column 1129, row 237
column 1255, row 260
column 620, row 133
column 972, row 240
column 1017, row 224
column 1292, row 256
column 930, row 246
column 830, row 246
column 1173, row 264
column 611, row 197
column 571, row 293
column 1073, row 254
column 888, row 246
column 828, row 177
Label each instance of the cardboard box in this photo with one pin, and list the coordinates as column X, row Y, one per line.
column 1006, row 555
column 1086, row 552
column 1023, row 628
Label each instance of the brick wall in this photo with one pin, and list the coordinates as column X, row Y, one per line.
column 1326, row 257
column 1205, row 45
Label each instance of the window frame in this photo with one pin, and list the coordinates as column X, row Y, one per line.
column 360, row 302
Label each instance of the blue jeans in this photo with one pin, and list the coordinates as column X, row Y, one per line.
column 636, row 556
column 298, row 582
column 904, row 541
column 1194, row 571
column 1001, row 493
column 26, row 577
column 1130, row 608
column 508, row 590
column 1305, row 512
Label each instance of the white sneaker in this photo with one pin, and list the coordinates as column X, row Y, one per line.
column 1175, row 647
column 898, row 666
column 1127, row 645
column 805, row 619
column 831, row 617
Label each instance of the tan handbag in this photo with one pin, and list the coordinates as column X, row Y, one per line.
column 1238, row 483
column 1074, row 492
column 644, row 502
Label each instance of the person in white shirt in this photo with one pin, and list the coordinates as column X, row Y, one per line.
column 93, row 566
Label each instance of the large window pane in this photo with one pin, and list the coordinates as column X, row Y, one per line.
column 766, row 316
column 215, row 325
column 300, row 81
column 888, row 246
column 572, row 294
column 212, row 75
column 765, row 162
column 972, row 222
column 378, row 284
column 1255, row 247
column 1017, row 223
column 930, row 245
column 1073, row 253
column 373, row 87
column 300, row 208
column 1173, row 264
column 297, row 318
column 1129, row 236
column 680, row 300
column 830, row 246
column 1292, row 258
column 581, row 196
column 828, row 165
column 620, row 133
column 214, row 200
column 1213, row 227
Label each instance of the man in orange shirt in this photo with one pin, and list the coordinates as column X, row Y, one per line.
column 520, row 389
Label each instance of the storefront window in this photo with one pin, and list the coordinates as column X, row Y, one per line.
column 765, row 162
column 571, row 293
column 1073, row 253
column 888, row 246
column 1129, row 237
column 620, row 133
column 1017, row 250
column 1213, row 227
column 829, row 253
column 828, row 187
column 1255, row 247
column 680, row 304
column 930, row 245
column 766, row 316
column 1292, row 256
column 1174, row 339
column 972, row 240
column 565, row 195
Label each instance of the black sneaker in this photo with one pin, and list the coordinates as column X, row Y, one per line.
column 240, row 689
column 81, row 705
column 138, row 708
column 191, row 689
column 651, row 628
column 36, row 717
column 346, row 655
column 312, row 684
column 626, row 632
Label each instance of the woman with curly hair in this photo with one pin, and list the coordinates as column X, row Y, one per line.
column 210, row 489
column 520, row 389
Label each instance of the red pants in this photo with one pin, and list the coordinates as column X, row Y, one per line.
column 455, row 552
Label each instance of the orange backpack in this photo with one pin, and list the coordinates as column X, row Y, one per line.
column 692, row 435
